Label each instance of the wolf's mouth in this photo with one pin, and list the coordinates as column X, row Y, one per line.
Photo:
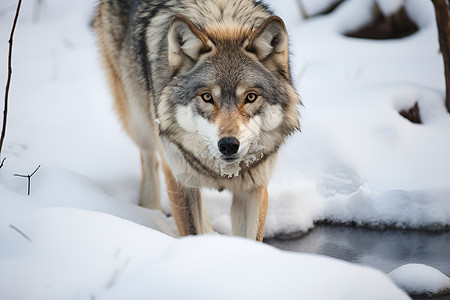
column 230, row 159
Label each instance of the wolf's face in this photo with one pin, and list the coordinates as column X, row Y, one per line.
column 229, row 99
column 232, row 95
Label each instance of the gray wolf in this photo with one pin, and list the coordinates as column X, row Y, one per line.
column 204, row 88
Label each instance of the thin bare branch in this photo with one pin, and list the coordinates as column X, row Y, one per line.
column 8, row 82
column 35, row 170
column 28, row 177
column 20, row 232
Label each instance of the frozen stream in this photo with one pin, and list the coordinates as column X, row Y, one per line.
column 382, row 249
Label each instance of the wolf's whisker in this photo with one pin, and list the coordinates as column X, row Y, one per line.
column 193, row 134
column 204, row 135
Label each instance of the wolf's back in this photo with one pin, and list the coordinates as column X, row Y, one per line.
column 110, row 24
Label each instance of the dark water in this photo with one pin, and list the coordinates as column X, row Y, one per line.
column 382, row 249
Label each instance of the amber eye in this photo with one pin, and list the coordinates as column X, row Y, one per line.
column 251, row 97
column 207, row 97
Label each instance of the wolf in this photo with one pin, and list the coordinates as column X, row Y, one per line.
column 204, row 88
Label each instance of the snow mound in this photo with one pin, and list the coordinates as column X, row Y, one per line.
column 68, row 253
column 421, row 280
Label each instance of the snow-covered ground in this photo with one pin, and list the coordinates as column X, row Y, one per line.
column 79, row 234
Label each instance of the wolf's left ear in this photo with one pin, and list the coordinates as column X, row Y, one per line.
column 186, row 42
column 269, row 42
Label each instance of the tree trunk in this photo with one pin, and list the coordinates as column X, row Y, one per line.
column 441, row 8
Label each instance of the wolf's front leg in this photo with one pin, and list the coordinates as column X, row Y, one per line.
column 150, row 190
column 248, row 213
column 187, row 206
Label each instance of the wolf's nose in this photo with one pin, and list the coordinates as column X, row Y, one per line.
column 228, row 145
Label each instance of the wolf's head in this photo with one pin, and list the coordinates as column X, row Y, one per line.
column 231, row 92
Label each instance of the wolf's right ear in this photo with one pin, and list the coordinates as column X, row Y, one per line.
column 186, row 42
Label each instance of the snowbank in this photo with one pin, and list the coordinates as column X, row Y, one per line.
column 68, row 253
column 421, row 280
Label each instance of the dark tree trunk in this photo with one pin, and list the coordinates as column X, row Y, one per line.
column 441, row 8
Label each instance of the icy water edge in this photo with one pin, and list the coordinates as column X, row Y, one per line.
column 382, row 249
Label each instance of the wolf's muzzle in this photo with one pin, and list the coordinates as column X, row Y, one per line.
column 228, row 146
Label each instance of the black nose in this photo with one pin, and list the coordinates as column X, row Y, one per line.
column 228, row 145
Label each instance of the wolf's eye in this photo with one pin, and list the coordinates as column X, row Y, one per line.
column 251, row 97
column 207, row 97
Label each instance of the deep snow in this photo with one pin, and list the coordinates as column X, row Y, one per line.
column 77, row 254
column 356, row 160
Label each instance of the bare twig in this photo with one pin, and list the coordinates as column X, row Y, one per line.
column 302, row 9
column 118, row 271
column 37, row 9
column 20, row 232
column 28, row 177
column 2, row 163
column 8, row 82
